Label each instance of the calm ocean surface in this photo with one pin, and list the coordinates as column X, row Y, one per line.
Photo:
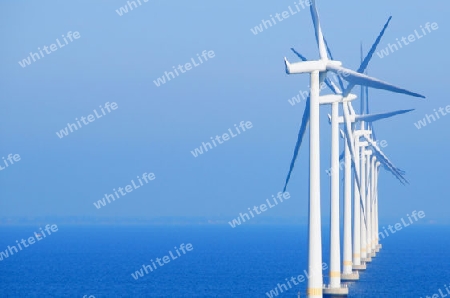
column 246, row 261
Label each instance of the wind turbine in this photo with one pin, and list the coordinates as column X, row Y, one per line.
column 377, row 154
column 348, row 265
column 361, row 218
column 375, row 173
column 348, row 274
column 381, row 159
column 361, row 239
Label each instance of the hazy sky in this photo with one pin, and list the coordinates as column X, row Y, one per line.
column 154, row 129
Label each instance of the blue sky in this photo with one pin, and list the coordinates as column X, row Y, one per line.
column 154, row 128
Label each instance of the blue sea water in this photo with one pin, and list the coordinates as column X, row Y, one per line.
column 246, row 261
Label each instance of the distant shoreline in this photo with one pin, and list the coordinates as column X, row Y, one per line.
column 175, row 221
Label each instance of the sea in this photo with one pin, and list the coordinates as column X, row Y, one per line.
column 246, row 261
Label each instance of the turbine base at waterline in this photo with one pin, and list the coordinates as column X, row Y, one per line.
column 350, row 276
column 335, row 292
column 366, row 260
column 360, row 267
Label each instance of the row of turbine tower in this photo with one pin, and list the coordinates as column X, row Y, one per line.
column 362, row 159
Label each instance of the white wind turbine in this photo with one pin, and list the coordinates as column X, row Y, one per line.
column 374, row 155
column 362, row 238
column 347, row 273
column 360, row 204
column 360, row 217
column 380, row 159
column 317, row 70
column 378, row 155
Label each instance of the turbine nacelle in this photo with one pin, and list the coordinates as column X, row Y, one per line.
column 310, row 66
column 332, row 98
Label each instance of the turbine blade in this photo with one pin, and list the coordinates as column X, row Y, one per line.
column 287, row 66
column 376, row 117
column 328, row 49
column 362, row 100
column 332, row 86
column 361, row 52
column 341, row 83
column 362, row 68
column 367, row 98
column 303, row 58
column 324, row 78
column 366, row 61
column 356, row 78
column 392, row 169
column 352, row 111
column 318, row 31
column 301, row 133
column 387, row 163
